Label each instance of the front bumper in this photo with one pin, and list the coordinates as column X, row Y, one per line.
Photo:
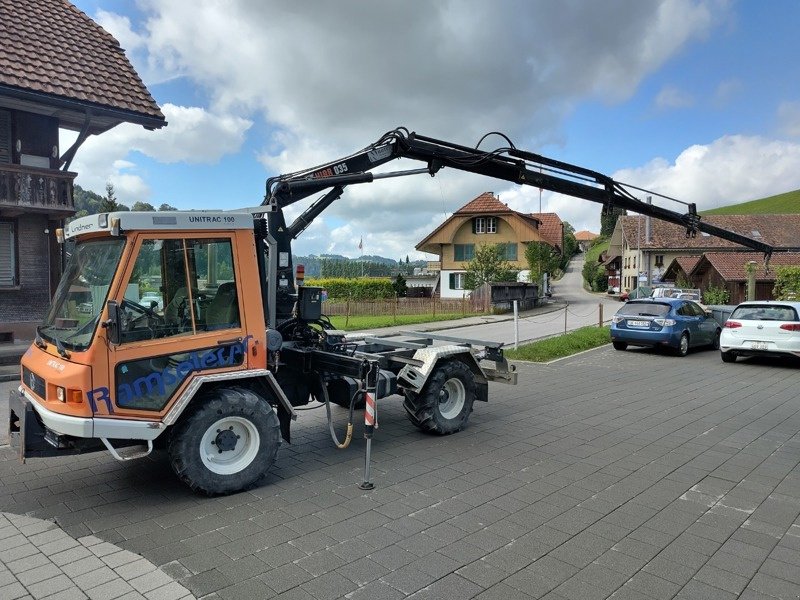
column 35, row 431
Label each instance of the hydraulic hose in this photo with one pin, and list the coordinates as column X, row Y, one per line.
column 349, row 433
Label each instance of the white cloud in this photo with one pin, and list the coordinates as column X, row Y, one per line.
column 194, row 135
column 672, row 97
column 729, row 170
column 789, row 118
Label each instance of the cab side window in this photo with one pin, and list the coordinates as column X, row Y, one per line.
column 155, row 303
column 211, row 267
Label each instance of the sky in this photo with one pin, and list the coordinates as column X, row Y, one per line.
column 695, row 99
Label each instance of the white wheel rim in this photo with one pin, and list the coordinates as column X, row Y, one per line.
column 229, row 461
column 684, row 344
column 451, row 398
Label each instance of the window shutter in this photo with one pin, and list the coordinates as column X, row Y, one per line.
column 475, row 225
column 7, row 258
column 452, row 281
column 5, row 137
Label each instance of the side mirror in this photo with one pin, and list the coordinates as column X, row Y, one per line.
column 112, row 325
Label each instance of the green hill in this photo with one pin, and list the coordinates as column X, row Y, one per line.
column 778, row 205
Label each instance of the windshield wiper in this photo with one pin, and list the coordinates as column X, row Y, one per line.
column 59, row 346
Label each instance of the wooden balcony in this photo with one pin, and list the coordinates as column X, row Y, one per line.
column 29, row 189
column 434, row 265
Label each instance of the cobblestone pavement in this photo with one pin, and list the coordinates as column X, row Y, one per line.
column 607, row 474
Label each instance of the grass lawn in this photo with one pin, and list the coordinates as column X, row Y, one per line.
column 368, row 322
column 561, row 345
column 780, row 204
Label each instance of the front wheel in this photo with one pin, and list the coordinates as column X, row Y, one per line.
column 715, row 341
column 444, row 404
column 727, row 357
column 226, row 442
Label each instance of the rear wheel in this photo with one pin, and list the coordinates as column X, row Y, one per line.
column 226, row 441
column 683, row 345
column 619, row 345
column 444, row 404
column 715, row 342
column 727, row 357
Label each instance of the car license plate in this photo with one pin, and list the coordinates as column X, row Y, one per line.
column 639, row 323
column 758, row 346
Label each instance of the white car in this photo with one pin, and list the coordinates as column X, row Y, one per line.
column 761, row 328
column 149, row 297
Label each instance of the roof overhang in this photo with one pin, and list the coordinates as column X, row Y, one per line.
column 72, row 114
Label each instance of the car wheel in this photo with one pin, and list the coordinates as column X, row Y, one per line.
column 683, row 345
column 727, row 357
column 715, row 342
column 619, row 345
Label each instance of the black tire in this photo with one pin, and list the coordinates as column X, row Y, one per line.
column 246, row 415
column 619, row 345
column 715, row 342
column 683, row 345
column 444, row 404
column 727, row 357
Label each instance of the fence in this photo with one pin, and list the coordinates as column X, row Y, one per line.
column 401, row 306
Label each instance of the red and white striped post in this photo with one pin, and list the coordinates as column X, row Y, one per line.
column 370, row 422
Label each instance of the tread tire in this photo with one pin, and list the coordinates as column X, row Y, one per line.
column 727, row 357
column 619, row 345
column 424, row 408
column 204, row 411
column 681, row 350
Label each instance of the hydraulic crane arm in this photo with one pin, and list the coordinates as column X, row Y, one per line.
column 507, row 163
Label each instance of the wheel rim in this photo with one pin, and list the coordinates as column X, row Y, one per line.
column 684, row 344
column 451, row 398
column 229, row 445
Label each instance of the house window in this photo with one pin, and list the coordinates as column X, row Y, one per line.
column 634, row 263
column 659, row 260
column 509, row 251
column 484, row 225
column 457, row 281
column 8, row 254
column 463, row 252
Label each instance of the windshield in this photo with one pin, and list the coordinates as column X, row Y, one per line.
column 80, row 296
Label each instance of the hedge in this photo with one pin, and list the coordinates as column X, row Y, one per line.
column 365, row 288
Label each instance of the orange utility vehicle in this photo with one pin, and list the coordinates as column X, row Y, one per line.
column 187, row 329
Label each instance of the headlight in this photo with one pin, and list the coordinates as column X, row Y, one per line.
column 61, row 395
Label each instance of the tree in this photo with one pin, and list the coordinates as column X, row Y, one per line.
column 166, row 207
column 400, row 286
column 143, row 206
column 608, row 220
column 488, row 265
column 570, row 245
column 541, row 258
column 787, row 283
column 109, row 202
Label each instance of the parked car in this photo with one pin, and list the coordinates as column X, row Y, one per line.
column 673, row 292
column 664, row 322
column 642, row 291
column 149, row 297
column 761, row 328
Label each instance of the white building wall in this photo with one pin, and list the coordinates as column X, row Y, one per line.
column 444, row 288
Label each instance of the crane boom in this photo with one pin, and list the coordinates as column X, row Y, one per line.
column 506, row 163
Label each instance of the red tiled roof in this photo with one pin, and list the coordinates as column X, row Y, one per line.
column 487, row 203
column 549, row 227
column 780, row 231
column 50, row 47
column 585, row 236
column 730, row 265
column 687, row 263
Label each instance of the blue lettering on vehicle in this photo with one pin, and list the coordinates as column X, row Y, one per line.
column 160, row 383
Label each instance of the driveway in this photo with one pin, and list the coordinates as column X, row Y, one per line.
column 633, row 474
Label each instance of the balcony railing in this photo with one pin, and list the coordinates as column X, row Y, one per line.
column 434, row 265
column 39, row 189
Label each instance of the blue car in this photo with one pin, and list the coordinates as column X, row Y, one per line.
column 664, row 322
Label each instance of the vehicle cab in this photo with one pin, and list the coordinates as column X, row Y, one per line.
column 149, row 305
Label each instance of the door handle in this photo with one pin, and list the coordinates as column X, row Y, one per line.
column 230, row 341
